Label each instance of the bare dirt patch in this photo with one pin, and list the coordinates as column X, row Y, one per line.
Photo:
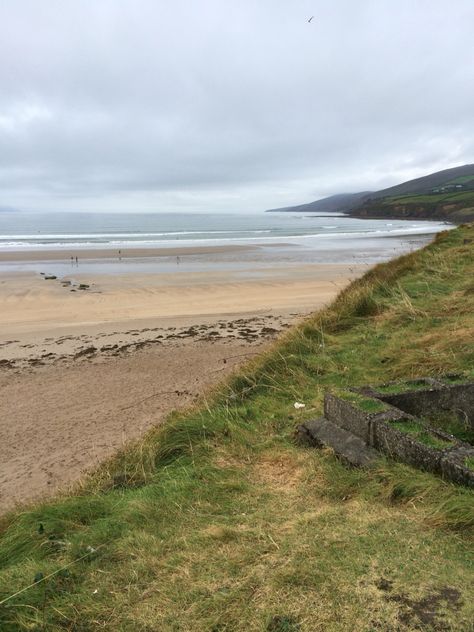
column 283, row 471
column 427, row 612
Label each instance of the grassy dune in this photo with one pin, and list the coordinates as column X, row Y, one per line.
column 217, row 521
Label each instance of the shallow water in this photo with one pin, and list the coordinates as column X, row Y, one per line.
column 277, row 239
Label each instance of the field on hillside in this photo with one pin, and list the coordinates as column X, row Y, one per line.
column 434, row 198
column 218, row 521
column 461, row 180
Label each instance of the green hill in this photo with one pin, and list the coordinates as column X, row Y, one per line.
column 463, row 175
column 451, row 207
column 446, row 195
column 218, row 521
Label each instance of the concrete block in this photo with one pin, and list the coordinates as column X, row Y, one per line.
column 350, row 414
column 346, row 415
column 454, row 466
column 349, row 448
column 427, row 395
column 406, row 447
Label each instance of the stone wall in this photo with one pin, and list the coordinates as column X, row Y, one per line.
column 425, row 396
column 388, row 422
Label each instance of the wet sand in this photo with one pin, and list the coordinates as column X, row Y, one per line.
column 65, row 254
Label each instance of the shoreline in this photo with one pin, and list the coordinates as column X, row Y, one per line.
column 65, row 254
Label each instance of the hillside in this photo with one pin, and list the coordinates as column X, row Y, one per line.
column 341, row 202
column 446, row 195
column 446, row 178
column 218, row 521
column 450, row 207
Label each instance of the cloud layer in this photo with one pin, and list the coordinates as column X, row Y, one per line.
column 224, row 105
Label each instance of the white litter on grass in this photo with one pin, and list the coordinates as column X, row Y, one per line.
column 299, row 405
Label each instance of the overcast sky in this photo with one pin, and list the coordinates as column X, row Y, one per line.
column 228, row 105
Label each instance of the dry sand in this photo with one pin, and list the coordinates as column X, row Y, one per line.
column 83, row 372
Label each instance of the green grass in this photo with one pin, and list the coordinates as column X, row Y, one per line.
column 366, row 404
column 458, row 379
column 418, row 431
column 461, row 180
column 402, row 387
column 453, row 423
column 432, row 198
column 220, row 522
column 469, row 462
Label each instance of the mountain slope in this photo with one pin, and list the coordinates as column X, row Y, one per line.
column 425, row 184
column 446, row 195
column 456, row 208
column 341, row 202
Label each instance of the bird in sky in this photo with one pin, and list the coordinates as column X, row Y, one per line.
column 310, row 19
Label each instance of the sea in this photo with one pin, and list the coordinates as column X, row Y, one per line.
column 276, row 238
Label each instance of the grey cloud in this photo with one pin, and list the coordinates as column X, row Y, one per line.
column 227, row 105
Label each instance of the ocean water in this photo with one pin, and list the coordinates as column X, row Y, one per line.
column 280, row 239
column 31, row 231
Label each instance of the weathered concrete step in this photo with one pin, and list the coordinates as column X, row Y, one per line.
column 322, row 433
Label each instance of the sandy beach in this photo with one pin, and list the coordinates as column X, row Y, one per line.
column 129, row 253
column 91, row 361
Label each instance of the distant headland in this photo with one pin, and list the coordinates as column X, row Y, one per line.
column 444, row 195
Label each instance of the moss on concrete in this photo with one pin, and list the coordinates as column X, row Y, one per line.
column 420, row 433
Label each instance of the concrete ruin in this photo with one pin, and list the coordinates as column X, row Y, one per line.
column 394, row 419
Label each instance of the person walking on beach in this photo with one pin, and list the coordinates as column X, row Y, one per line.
column 120, row 255
column 77, row 261
column 177, row 261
